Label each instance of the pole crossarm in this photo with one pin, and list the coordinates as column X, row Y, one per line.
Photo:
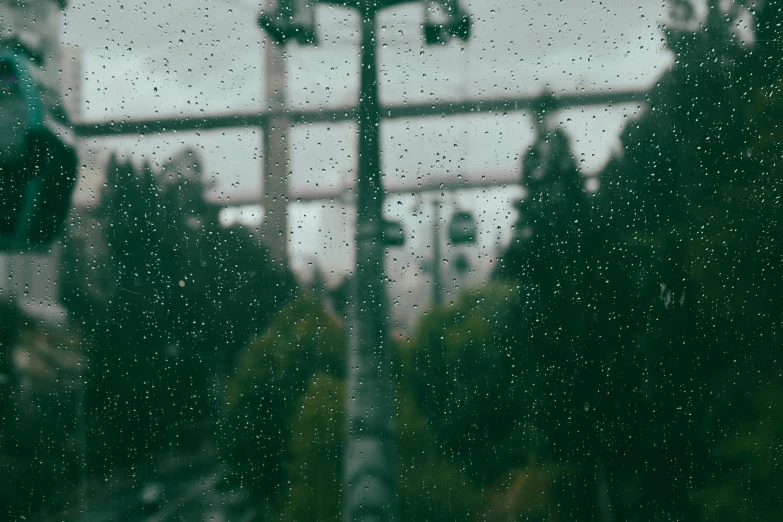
column 299, row 116
column 346, row 194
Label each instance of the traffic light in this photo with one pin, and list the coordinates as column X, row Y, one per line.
column 37, row 165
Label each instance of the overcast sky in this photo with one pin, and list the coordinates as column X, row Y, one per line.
column 147, row 58
column 187, row 56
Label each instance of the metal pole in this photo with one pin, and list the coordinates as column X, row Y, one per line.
column 369, row 451
column 276, row 160
column 436, row 261
column 81, row 418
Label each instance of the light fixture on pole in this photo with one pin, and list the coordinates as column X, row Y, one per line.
column 445, row 20
column 292, row 20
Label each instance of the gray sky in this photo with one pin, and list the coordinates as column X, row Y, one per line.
column 143, row 59
column 188, row 56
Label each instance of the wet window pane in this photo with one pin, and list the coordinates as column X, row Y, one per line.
column 385, row 260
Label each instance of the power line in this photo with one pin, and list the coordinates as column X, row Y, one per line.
column 463, row 181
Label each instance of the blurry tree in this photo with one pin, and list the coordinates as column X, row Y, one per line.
column 15, row 469
column 12, row 322
column 303, row 348
column 38, row 456
column 700, row 184
column 283, row 430
column 432, row 484
column 468, row 379
column 165, row 297
column 314, row 452
column 476, row 391
column 644, row 332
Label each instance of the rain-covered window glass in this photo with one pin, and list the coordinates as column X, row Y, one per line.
column 391, row 260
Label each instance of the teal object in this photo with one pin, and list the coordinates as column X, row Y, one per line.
column 19, row 67
column 37, row 167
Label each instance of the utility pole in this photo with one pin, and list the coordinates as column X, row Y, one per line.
column 369, row 449
column 437, row 297
column 276, row 157
column 81, row 420
column 369, row 452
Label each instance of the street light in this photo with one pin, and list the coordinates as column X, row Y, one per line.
column 369, row 452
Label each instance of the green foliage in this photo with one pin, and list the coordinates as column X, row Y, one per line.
column 165, row 297
column 12, row 321
column 38, row 456
column 710, row 202
column 636, row 357
column 469, row 381
column 315, row 446
column 432, row 482
column 303, row 347
column 284, row 427
column 656, row 303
